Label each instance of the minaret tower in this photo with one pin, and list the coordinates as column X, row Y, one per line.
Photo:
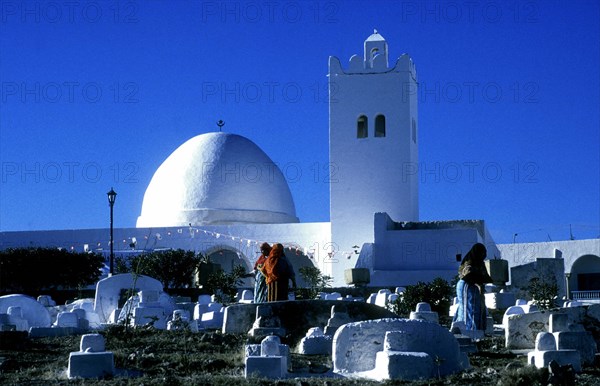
column 373, row 146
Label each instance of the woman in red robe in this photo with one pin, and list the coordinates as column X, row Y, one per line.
column 279, row 272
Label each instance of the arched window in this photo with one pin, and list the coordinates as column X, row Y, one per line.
column 362, row 125
column 374, row 53
column 380, row 126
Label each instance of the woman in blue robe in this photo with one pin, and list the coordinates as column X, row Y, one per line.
column 472, row 276
column 260, row 283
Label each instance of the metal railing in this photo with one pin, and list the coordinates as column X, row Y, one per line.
column 586, row 295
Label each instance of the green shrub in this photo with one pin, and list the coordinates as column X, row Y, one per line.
column 315, row 281
column 543, row 292
column 439, row 294
column 224, row 285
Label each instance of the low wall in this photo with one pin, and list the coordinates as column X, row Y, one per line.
column 300, row 315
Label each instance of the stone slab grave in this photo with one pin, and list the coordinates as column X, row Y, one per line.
column 246, row 296
column 339, row 317
column 499, row 300
column 521, row 329
column 91, row 361
column 355, row 348
column 72, row 321
column 266, row 323
column 180, row 321
column 87, row 305
column 213, row 319
column 570, row 337
column 13, row 320
column 271, row 362
column 209, row 313
column 108, row 291
column 46, row 301
column 330, row 296
column 381, row 299
column 315, row 342
column 32, row 311
column 148, row 307
column 423, row 311
column 399, row 360
column 546, row 351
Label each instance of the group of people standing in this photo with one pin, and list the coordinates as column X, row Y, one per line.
column 273, row 273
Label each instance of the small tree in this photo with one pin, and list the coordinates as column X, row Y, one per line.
column 224, row 285
column 543, row 292
column 315, row 281
column 438, row 294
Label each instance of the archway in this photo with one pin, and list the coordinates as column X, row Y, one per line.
column 298, row 260
column 585, row 274
column 228, row 257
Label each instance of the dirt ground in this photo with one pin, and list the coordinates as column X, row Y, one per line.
column 151, row 357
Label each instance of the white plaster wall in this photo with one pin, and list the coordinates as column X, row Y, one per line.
column 310, row 237
column 423, row 249
column 523, row 253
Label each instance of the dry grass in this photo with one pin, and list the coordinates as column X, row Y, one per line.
column 149, row 357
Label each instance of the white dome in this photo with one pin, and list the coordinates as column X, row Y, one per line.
column 217, row 178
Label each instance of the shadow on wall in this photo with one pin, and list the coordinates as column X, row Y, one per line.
column 546, row 269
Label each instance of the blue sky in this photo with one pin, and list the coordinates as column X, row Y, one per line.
column 98, row 93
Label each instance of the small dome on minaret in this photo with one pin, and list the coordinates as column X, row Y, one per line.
column 375, row 36
column 375, row 45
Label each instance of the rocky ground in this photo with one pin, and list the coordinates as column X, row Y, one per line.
column 150, row 357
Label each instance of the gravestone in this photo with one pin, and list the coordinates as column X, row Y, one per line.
column 423, row 311
column 271, row 363
column 266, row 323
column 315, row 342
column 355, row 345
column 568, row 339
column 91, row 361
column 15, row 317
column 108, row 291
column 399, row 360
column 246, row 296
column 381, row 298
column 546, row 351
column 338, row 318
column 36, row 314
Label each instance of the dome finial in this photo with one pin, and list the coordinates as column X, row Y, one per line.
column 375, row 31
column 220, row 123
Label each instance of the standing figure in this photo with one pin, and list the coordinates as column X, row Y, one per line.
column 279, row 272
column 470, row 289
column 260, row 280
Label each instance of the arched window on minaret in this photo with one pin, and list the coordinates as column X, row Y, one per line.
column 380, row 125
column 362, row 130
column 374, row 53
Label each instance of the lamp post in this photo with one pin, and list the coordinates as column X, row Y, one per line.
column 112, row 196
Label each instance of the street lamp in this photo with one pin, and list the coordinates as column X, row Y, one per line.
column 112, row 196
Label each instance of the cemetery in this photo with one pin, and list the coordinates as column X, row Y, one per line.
column 360, row 337
column 377, row 293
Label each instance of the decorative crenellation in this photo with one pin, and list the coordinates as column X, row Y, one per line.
column 358, row 66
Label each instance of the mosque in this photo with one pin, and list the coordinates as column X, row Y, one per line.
column 221, row 195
